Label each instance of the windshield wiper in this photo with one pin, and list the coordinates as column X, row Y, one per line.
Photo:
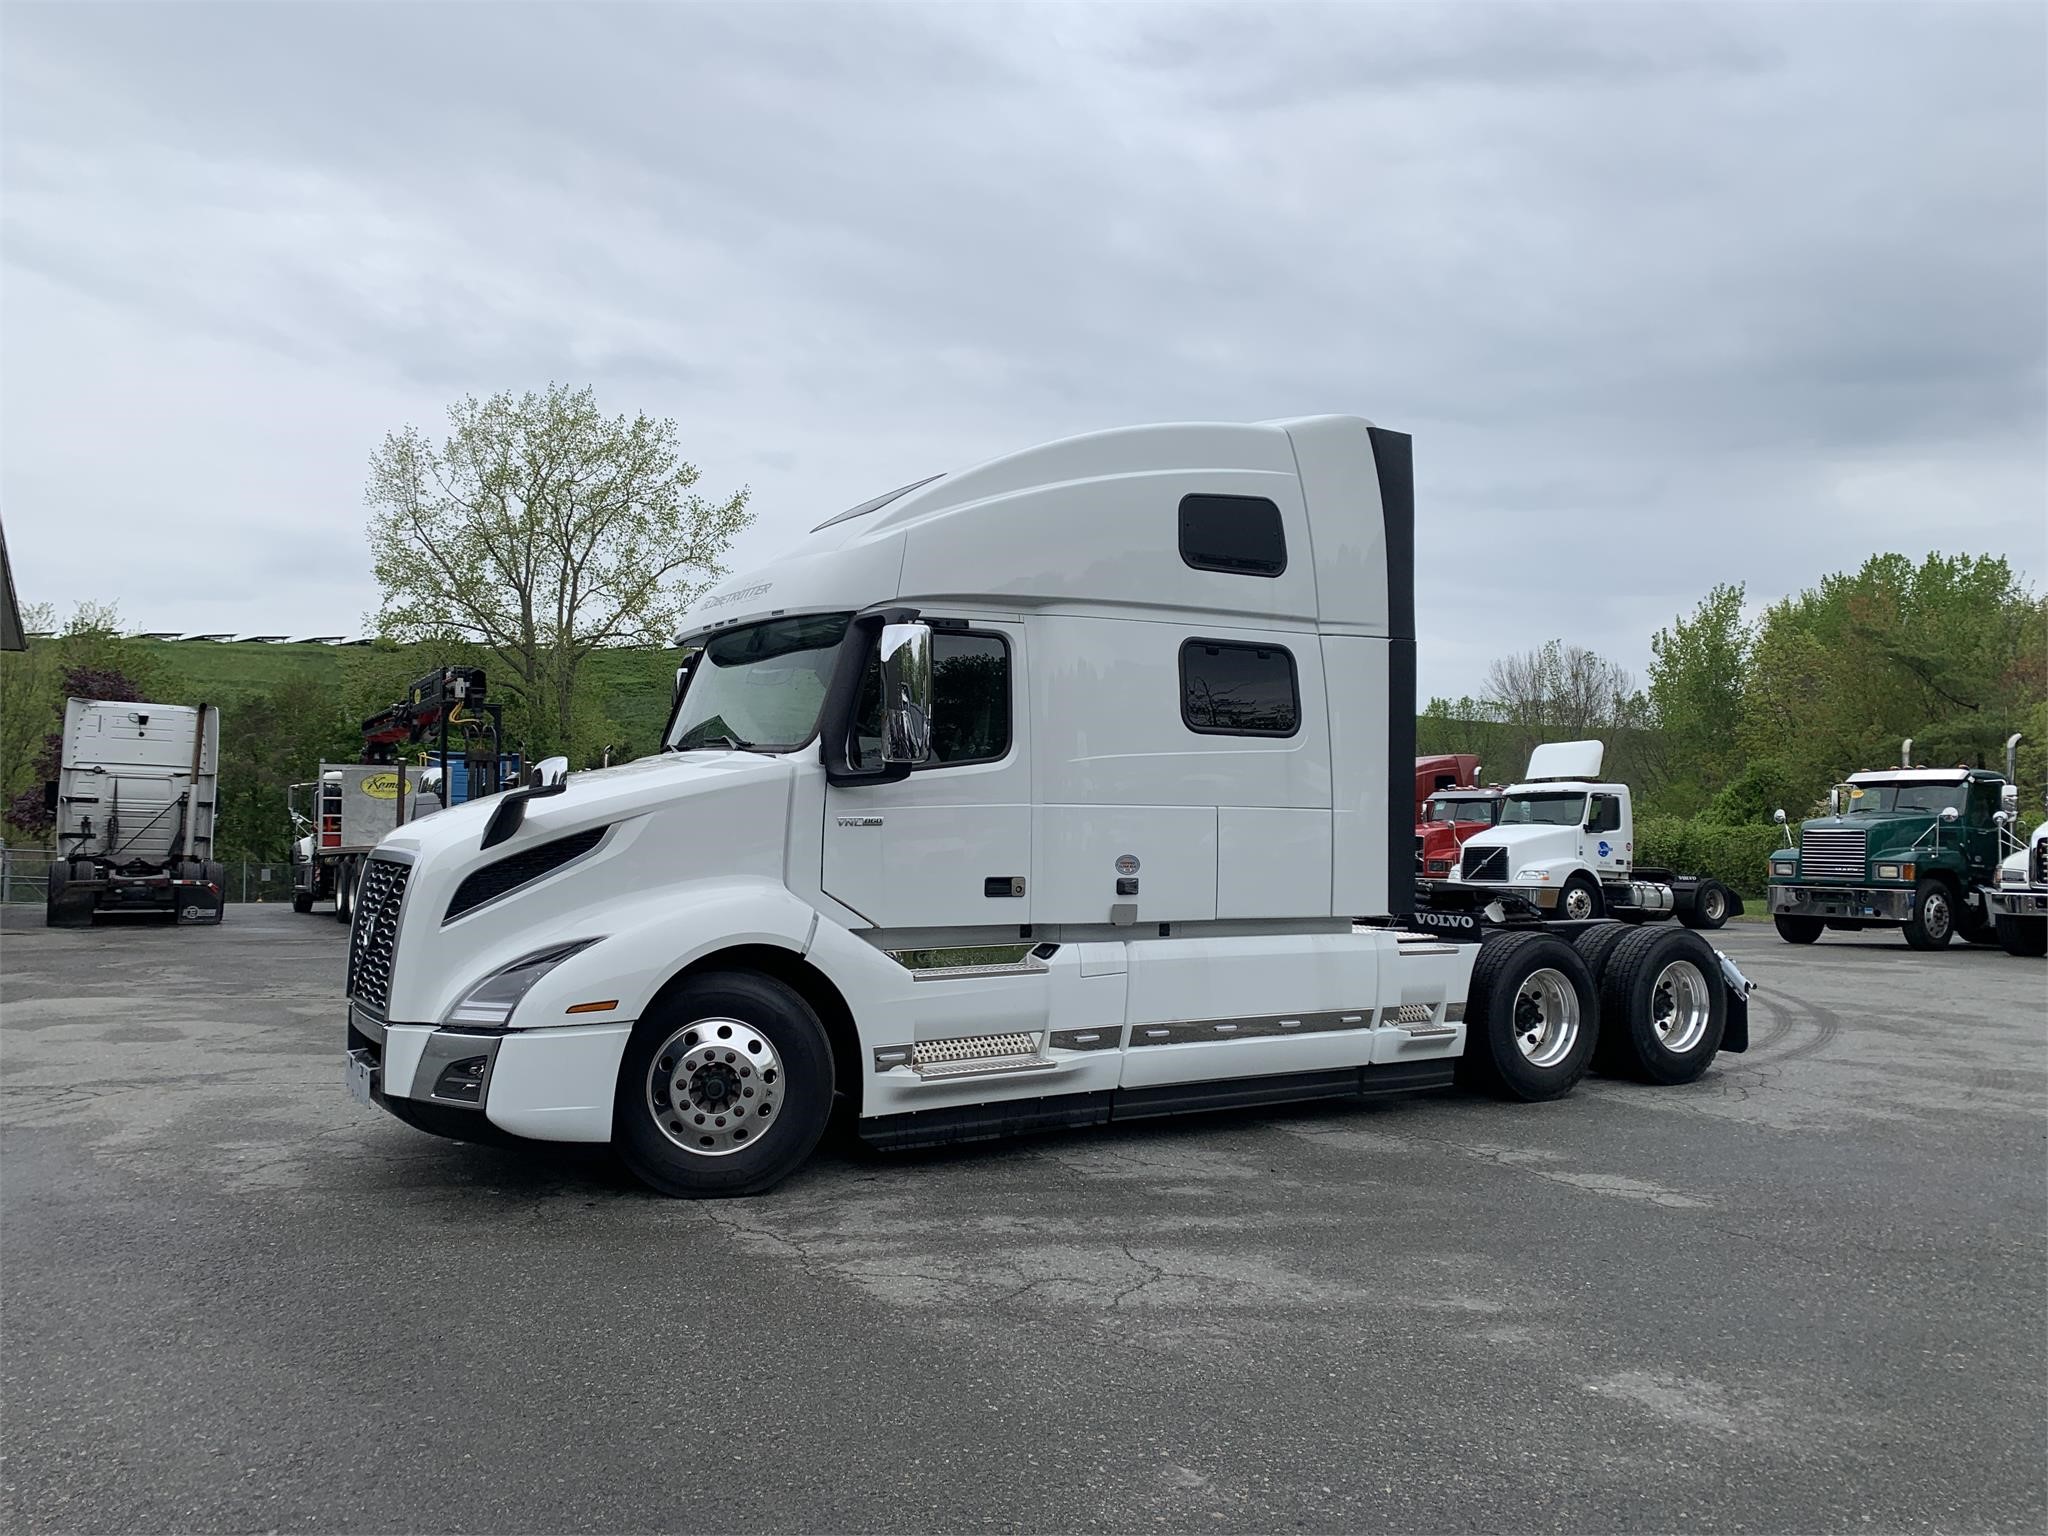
column 729, row 742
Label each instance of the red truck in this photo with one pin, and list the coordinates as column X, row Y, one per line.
column 1450, row 806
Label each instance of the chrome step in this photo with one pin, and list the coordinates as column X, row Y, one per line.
column 982, row 1066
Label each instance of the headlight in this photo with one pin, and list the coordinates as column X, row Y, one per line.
column 1533, row 874
column 1887, row 871
column 491, row 1001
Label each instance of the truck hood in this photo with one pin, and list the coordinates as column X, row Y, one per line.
column 658, row 824
column 1527, row 843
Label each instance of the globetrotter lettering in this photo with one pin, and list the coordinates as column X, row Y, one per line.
column 737, row 595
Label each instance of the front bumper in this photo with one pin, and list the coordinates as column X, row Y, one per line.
column 2017, row 901
column 539, row 1084
column 1880, row 904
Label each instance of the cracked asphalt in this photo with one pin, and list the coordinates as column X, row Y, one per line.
column 1809, row 1292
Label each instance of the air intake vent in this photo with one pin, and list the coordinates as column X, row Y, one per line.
column 373, row 942
column 1833, row 853
column 2040, row 864
column 1485, row 863
column 529, row 864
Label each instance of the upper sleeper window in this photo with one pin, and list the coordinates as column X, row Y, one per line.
column 1238, row 534
column 1232, row 689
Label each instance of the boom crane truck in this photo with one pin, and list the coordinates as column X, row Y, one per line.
column 1060, row 790
column 355, row 804
column 135, row 801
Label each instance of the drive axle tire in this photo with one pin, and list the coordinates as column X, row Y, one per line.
column 1580, row 901
column 1663, row 1006
column 1797, row 930
column 2022, row 935
column 1710, row 906
column 1933, row 922
column 1532, row 1018
column 302, row 902
column 1597, row 943
column 725, row 1087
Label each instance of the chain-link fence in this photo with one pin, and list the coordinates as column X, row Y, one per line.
column 25, row 878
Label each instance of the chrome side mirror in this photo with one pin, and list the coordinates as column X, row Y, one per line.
column 1834, row 802
column 548, row 772
column 2009, row 797
column 2001, row 818
column 1779, row 816
column 906, row 693
column 1950, row 815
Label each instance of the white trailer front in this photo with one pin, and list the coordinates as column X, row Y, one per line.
column 135, row 802
column 1046, row 793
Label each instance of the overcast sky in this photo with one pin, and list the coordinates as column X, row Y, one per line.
column 1668, row 294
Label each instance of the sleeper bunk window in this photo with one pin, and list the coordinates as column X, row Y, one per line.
column 1229, row 688
column 1237, row 534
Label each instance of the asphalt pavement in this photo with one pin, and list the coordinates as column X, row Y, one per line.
column 1809, row 1292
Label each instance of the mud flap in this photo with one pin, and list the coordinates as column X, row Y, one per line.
column 74, row 905
column 1735, row 1035
column 198, row 904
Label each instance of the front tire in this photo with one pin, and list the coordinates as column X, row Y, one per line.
column 2022, row 935
column 725, row 1088
column 1579, row 901
column 1933, row 922
column 1663, row 1007
column 1797, row 930
column 1532, row 1018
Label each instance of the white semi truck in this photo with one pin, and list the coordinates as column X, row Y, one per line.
column 1563, row 843
column 1065, row 789
column 134, row 801
column 2018, row 897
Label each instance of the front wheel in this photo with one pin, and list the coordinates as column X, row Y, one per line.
column 1933, row 922
column 2022, row 935
column 725, row 1088
column 1797, row 930
column 1580, row 899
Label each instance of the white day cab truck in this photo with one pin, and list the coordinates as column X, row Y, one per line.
column 1563, row 844
column 134, row 802
column 1066, row 789
column 2018, row 897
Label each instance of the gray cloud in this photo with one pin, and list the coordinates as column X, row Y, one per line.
column 1668, row 294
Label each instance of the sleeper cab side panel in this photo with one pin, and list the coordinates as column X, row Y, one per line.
column 1356, row 672
column 1270, row 977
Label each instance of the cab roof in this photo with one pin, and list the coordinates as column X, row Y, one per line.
column 1927, row 776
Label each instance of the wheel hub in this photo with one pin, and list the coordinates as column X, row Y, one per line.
column 715, row 1086
column 1680, row 1006
column 1546, row 1017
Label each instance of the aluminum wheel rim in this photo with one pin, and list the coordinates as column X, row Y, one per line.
column 1546, row 1017
column 1680, row 1006
column 715, row 1087
column 1934, row 914
column 1578, row 902
column 1712, row 905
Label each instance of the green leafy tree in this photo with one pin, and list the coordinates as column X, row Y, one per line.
column 1698, row 670
column 541, row 530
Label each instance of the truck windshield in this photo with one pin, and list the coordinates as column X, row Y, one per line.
column 760, row 687
column 1887, row 799
column 1443, row 808
column 1550, row 810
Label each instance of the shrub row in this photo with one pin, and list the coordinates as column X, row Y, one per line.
column 1735, row 856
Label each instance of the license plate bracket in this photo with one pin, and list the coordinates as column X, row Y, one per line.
column 361, row 1080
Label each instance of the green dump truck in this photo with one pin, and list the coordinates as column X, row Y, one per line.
column 1908, row 848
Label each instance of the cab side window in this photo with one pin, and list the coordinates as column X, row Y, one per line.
column 970, row 702
column 1605, row 814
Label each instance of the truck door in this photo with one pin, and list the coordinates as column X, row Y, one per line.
column 949, row 846
column 1607, row 842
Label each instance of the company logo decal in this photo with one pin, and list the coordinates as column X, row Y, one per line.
column 380, row 786
column 1606, row 849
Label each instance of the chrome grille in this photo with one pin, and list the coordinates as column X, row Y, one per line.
column 2040, row 875
column 1833, row 853
column 373, row 943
